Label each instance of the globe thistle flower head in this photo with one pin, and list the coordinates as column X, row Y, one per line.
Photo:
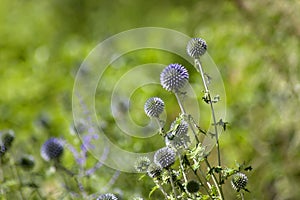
column 196, row 47
column 174, row 77
column 154, row 106
column 7, row 138
column 165, row 157
column 192, row 186
column 26, row 162
column 239, row 181
column 178, row 137
column 107, row 196
column 142, row 164
column 52, row 149
column 154, row 170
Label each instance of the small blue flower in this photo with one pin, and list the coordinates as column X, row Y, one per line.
column 107, row 196
column 239, row 181
column 174, row 77
column 52, row 149
column 154, row 106
column 165, row 157
column 196, row 47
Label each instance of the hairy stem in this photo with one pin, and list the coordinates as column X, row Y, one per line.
column 189, row 121
column 172, row 183
column 218, row 186
column 199, row 67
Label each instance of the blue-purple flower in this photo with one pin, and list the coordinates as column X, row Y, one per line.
column 196, row 47
column 52, row 149
column 154, row 106
column 174, row 77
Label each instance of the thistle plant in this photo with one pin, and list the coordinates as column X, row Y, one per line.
column 181, row 169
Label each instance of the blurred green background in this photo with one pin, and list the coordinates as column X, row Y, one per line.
column 255, row 44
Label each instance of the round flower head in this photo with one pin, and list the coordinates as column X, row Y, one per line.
column 239, row 181
column 26, row 162
column 154, row 107
column 178, row 137
column 165, row 157
column 174, row 77
column 154, row 170
column 192, row 186
column 142, row 164
column 107, row 196
column 196, row 47
column 52, row 149
column 7, row 138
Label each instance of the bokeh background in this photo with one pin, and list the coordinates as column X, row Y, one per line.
column 255, row 44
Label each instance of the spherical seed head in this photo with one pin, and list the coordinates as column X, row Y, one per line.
column 107, row 196
column 7, row 138
column 174, row 77
column 196, row 47
column 165, row 157
column 26, row 162
column 154, row 106
column 52, row 149
column 179, row 137
column 239, row 181
column 142, row 164
column 154, row 170
column 192, row 186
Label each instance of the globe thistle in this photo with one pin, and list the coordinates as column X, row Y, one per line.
column 154, row 170
column 52, row 149
column 196, row 47
column 239, row 181
column 174, row 77
column 26, row 162
column 142, row 164
column 178, row 137
column 7, row 138
column 107, row 196
column 165, row 157
column 193, row 186
column 154, row 106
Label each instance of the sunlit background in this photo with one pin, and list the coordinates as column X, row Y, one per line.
column 255, row 44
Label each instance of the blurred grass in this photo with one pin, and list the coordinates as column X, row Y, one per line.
column 255, row 44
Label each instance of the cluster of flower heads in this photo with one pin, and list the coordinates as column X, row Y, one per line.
column 52, row 149
column 178, row 137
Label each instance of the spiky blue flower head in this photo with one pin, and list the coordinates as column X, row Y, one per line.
column 52, row 149
column 174, row 77
column 154, row 170
column 154, row 106
column 7, row 137
column 192, row 186
column 165, row 157
column 239, row 181
column 142, row 164
column 107, row 196
column 196, row 47
column 178, row 136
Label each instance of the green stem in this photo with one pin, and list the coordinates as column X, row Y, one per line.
column 199, row 67
column 172, row 183
column 161, row 188
column 189, row 121
column 16, row 175
column 219, row 189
